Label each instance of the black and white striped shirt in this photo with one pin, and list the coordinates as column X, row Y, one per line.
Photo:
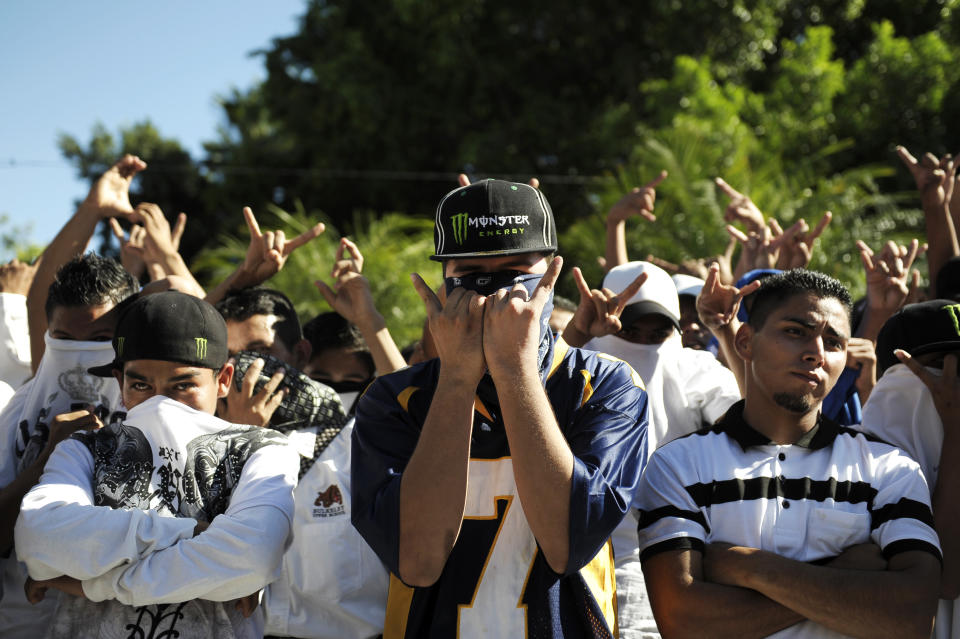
column 807, row 501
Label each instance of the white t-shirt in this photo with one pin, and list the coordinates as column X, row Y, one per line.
column 128, row 498
column 332, row 585
column 901, row 411
column 687, row 389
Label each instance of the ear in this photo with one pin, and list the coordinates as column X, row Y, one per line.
column 302, row 351
column 743, row 342
column 224, row 378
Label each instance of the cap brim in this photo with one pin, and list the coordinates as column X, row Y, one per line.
column 514, row 251
column 646, row 307
column 104, row 370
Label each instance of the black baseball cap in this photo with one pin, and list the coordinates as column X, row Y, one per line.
column 172, row 327
column 925, row 327
column 493, row 218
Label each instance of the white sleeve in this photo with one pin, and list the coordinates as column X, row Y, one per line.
column 240, row 553
column 14, row 339
column 713, row 387
column 61, row 532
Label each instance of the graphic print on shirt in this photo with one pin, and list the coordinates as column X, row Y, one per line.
column 197, row 484
column 329, row 502
column 83, row 390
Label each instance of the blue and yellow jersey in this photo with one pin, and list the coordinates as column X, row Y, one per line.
column 496, row 583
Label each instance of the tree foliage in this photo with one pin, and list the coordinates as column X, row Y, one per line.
column 373, row 107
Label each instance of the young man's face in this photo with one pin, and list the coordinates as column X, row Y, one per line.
column 524, row 262
column 798, row 354
column 198, row 388
column 83, row 323
column 338, row 365
column 694, row 334
column 258, row 333
column 651, row 329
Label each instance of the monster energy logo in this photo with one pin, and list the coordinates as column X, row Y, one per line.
column 459, row 222
column 201, row 347
column 120, row 345
column 953, row 311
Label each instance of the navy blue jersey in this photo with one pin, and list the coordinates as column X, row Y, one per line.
column 496, row 582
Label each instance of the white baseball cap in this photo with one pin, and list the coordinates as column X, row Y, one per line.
column 688, row 284
column 657, row 295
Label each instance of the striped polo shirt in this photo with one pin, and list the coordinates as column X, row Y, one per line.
column 806, row 501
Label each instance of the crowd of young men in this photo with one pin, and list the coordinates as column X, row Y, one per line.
column 670, row 456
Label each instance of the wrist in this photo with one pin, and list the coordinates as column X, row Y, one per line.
column 371, row 323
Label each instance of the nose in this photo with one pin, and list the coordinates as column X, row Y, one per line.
column 815, row 351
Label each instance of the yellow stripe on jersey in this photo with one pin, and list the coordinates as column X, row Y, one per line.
column 404, row 397
column 480, row 408
column 560, row 349
column 603, row 584
column 587, row 388
column 399, row 598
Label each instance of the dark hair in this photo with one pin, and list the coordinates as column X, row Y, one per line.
column 90, row 280
column 331, row 330
column 780, row 287
column 243, row 304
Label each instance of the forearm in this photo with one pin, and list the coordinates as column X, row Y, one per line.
column 616, row 245
column 172, row 264
column 727, row 611
column 386, row 355
column 256, row 534
column 71, row 241
column 12, row 495
column 542, row 461
column 873, row 320
column 237, row 280
column 433, row 488
column 725, row 336
column 946, row 509
column 61, row 508
column 941, row 239
column 684, row 604
column 892, row 603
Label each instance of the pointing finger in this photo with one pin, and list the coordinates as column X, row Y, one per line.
column 251, row 222
column 656, row 181
column 313, row 232
column 430, row 301
column 737, row 234
column 117, row 230
column 821, row 226
column 328, row 293
column 581, row 283
column 549, row 279
column 627, row 294
column 463, row 180
column 731, row 192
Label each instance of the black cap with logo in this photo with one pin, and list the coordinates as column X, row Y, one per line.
column 492, row 218
column 921, row 328
column 172, row 327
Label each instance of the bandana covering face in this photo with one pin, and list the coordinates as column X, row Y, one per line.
column 490, row 283
column 61, row 385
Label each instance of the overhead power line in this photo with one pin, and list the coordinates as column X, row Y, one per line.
column 341, row 173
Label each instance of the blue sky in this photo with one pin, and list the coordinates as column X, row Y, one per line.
column 66, row 65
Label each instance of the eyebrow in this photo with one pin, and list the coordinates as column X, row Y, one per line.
column 802, row 321
column 179, row 378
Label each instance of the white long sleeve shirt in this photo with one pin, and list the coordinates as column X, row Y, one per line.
column 132, row 561
column 332, row 585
